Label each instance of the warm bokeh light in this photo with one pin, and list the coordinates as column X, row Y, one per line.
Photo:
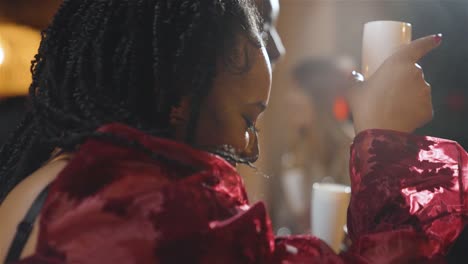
column 2, row 55
column 341, row 109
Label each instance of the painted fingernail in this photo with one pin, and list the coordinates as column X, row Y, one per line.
column 438, row 38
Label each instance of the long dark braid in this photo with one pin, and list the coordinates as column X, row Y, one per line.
column 103, row 61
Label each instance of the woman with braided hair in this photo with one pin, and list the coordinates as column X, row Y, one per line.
column 139, row 112
column 151, row 65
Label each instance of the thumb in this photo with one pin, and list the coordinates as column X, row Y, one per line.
column 417, row 49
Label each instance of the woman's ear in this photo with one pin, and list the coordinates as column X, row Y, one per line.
column 179, row 118
column 180, row 114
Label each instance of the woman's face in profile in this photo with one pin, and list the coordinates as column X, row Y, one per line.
column 230, row 111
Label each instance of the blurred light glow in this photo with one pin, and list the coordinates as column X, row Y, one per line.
column 341, row 109
column 2, row 55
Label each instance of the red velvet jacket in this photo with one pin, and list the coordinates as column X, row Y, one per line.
column 115, row 204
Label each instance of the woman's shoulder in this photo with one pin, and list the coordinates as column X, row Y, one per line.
column 17, row 203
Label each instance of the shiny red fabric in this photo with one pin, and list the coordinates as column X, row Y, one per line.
column 115, row 204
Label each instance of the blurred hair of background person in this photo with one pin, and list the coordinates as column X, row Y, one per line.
column 20, row 25
column 324, row 82
column 319, row 136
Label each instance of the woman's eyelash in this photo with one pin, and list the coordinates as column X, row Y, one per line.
column 251, row 125
column 265, row 37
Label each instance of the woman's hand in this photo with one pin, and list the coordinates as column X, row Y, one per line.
column 396, row 97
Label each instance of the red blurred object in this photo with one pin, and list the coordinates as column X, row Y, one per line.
column 341, row 109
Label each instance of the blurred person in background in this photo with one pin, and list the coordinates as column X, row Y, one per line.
column 20, row 25
column 325, row 82
column 318, row 138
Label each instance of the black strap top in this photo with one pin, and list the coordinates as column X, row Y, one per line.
column 25, row 227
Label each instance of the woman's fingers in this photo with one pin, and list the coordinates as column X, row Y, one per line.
column 396, row 96
column 417, row 49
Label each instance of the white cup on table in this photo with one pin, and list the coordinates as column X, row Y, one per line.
column 380, row 40
column 329, row 210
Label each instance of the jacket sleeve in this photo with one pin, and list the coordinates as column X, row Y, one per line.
column 408, row 197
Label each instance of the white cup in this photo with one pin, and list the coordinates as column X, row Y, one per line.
column 329, row 210
column 380, row 40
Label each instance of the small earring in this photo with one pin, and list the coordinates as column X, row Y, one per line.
column 251, row 151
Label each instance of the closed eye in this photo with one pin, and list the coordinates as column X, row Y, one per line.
column 251, row 125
